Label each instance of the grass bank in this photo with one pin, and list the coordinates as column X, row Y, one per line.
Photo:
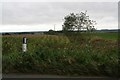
column 53, row 54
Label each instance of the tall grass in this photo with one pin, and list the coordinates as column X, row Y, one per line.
column 52, row 54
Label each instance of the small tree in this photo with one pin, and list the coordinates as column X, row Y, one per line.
column 69, row 23
column 81, row 18
column 78, row 21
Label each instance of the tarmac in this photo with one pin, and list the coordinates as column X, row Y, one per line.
column 55, row 77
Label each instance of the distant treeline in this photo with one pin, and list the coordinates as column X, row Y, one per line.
column 20, row 33
column 55, row 32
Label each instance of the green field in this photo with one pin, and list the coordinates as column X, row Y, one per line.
column 93, row 54
column 107, row 35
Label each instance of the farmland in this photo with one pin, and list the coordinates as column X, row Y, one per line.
column 94, row 54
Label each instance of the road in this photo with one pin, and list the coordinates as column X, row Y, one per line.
column 7, row 76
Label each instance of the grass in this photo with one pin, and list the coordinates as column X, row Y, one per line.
column 107, row 35
column 81, row 55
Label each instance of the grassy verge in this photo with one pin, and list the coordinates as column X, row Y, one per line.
column 52, row 54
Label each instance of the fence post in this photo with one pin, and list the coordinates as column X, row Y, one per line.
column 24, row 44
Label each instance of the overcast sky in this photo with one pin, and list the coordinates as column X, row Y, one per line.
column 42, row 16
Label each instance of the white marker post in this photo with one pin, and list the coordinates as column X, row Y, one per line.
column 24, row 45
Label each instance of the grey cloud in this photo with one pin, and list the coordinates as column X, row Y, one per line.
column 119, row 15
column 0, row 13
column 48, row 12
